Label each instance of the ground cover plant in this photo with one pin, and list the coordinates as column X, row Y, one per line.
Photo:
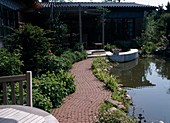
column 115, row 116
column 101, row 69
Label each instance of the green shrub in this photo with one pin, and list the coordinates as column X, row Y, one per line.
column 105, row 106
column 59, row 51
column 111, row 82
column 83, row 55
column 70, row 56
column 41, row 100
column 154, row 35
column 33, row 45
column 51, row 63
column 10, row 63
column 100, row 63
column 55, row 87
column 74, row 56
column 120, row 96
column 148, row 48
column 78, row 47
column 109, row 47
column 58, row 35
column 101, row 75
column 68, row 81
column 115, row 116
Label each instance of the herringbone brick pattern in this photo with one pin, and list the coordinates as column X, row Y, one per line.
column 82, row 106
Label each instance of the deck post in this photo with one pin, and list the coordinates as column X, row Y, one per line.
column 29, row 88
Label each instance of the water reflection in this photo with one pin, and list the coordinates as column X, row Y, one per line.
column 148, row 82
column 163, row 68
column 133, row 74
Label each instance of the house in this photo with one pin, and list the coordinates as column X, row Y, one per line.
column 12, row 15
column 97, row 22
column 88, row 22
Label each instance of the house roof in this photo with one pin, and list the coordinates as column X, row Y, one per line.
column 18, row 4
column 12, row 4
column 31, row 3
column 96, row 4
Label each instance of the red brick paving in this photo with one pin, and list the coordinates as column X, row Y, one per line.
column 82, row 106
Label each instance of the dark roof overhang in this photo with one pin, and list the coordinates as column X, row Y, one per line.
column 31, row 3
column 20, row 4
column 96, row 4
column 12, row 4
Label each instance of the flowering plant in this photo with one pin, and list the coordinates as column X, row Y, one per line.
column 116, row 50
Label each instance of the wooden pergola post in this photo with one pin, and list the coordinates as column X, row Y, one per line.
column 103, row 36
column 51, row 17
column 80, row 24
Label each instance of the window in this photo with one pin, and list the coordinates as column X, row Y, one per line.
column 7, row 20
column 119, row 29
column 130, row 28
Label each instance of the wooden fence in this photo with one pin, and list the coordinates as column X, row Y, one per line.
column 12, row 80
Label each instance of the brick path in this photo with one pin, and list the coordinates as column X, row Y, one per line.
column 82, row 106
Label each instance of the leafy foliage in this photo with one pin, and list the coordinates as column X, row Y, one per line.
column 78, row 47
column 58, row 35
column 115, row 116
column 105, row 106
column 166, row 18
column 154, row 35
column 52, row 82
column 109, row 47
column 10, row 63
column 63, row 62
column 55, row 87
column 33, row 45
column 41, row 100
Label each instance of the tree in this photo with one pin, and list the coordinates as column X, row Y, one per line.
column 154, row 35
column 58, row 34
column 168, row 7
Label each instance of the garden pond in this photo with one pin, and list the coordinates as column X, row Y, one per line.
column 147, row 81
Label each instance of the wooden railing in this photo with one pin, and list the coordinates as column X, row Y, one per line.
column 12, row 80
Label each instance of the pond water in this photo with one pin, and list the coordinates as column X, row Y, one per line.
column 148, row 82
